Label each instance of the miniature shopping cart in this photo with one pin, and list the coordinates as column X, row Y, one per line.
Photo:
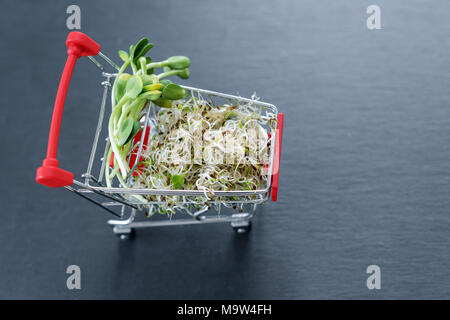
column 235, row 207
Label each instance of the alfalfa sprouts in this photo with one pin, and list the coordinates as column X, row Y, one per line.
column 197, row 145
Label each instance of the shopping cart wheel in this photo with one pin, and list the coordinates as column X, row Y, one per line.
column 125, row 233
column 242, row 227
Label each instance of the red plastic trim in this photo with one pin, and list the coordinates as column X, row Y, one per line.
column 135, row 151
column 277, row 157
column 49, row 174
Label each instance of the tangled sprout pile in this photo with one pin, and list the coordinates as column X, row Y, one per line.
column 199, row 146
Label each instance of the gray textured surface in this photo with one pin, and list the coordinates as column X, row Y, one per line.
column 365, row 168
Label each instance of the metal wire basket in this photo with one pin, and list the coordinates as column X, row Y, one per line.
column 235, row 207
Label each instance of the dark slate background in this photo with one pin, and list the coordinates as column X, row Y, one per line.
column 365, row 168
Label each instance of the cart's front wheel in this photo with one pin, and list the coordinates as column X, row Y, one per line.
column 242, row 228
column 125, row 233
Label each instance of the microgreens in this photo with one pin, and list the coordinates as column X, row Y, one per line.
column 131, row 93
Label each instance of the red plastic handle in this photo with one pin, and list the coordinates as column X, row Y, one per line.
column 49, row 174
column 277, row 157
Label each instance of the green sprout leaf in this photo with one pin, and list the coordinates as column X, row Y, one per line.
column 165, row 82
column 165, row 103
column 133, row 87
column 140, row 52
column 146, row 79
column 184, row 74
column 138, row 48
column 134, row 131
column 131, row 51
column 151, row 95
column 230, row 115
column 178, row 62
column 153, row 86
column 123, row 55
column 173, row 91
column 177, row 181
column 124, row 132
column 120, row 84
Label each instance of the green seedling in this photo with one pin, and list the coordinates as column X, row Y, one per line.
column 173, row 91
column 130, row 93
column 177, row 181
